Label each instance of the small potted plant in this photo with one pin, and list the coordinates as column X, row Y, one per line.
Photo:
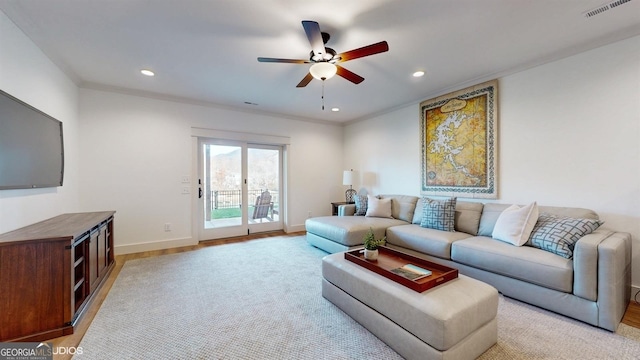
column 371, row 245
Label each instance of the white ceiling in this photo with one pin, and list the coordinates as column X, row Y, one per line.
column 205, row 51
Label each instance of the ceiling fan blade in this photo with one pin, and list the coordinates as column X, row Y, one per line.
column 307, row 79
column 353, row 77
column 376, row 48
column 315, row 36
column 291, row 61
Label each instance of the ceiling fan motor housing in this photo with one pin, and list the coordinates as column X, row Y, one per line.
column 328, row 56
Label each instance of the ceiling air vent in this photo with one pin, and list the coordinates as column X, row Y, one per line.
column 605, row 7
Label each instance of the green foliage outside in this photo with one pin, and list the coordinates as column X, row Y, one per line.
column 230, row 213
column 226, row 213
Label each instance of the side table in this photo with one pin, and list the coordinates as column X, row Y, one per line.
column 335, row 205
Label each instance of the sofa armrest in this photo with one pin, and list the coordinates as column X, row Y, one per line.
column 602, row 273
column 346, row 210
column 614, row 279
column 585, row 264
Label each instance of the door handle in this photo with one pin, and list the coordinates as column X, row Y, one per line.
column 200, row 189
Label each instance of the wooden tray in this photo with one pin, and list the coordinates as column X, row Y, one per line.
column 389, row 259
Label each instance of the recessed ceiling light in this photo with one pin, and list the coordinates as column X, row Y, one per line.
column 335, row 109
column 147, row 72
column 418, row 73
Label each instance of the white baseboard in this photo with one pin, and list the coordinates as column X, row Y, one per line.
column 295, row 228
column 635, row 293
column 173, row 243
column 154, row 245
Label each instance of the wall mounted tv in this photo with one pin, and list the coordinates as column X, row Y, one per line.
column 31, row 146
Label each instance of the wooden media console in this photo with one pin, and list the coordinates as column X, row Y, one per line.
column 49, row 272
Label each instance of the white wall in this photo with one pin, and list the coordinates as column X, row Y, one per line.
column 569, row 135
column 27, row 74
column 135, row 151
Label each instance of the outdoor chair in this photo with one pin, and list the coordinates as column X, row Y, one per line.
column 262, row 206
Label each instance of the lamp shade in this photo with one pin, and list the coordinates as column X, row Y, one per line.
column 347, row 177
column 323, row 70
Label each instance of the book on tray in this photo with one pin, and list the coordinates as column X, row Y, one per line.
column 411, row 272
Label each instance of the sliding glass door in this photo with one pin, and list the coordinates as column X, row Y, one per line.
column 263, row 190
column 239, row 188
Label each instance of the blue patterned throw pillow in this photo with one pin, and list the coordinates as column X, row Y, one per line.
column 361, row 205
column 560, row 234
column 438, row 214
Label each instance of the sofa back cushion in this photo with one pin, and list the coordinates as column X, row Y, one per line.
column 492, row 211
column 402, row 206
column 467, row 216
column 578, row 213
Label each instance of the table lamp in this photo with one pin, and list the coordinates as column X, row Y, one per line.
column 347, row 179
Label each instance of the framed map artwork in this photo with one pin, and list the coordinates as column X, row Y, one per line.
column 458, row 143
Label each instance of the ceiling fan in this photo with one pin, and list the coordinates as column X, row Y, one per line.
column 325, row 60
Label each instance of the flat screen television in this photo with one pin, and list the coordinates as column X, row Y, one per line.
column 31, row 146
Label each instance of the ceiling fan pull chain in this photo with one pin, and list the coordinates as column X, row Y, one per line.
column 322, row 95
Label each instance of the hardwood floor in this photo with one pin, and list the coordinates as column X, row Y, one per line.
column 631, row 317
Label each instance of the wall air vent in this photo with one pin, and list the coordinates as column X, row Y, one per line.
column 605, row 7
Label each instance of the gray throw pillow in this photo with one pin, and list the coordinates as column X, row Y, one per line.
column 361, row 205
column 559, row 235
column 439, row 214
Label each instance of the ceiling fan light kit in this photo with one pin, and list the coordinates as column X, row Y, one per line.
column 323, row 70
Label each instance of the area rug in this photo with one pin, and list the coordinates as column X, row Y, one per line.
column 262, row 299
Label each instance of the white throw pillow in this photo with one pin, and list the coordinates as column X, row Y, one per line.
column 378, row 207
column 515, row 224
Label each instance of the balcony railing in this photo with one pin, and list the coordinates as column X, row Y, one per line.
column 229, row 199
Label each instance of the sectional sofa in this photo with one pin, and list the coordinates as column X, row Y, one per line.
column 592, row 284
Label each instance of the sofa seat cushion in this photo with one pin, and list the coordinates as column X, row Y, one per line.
column 429, row 241
column 524, row 263
column 349, row 230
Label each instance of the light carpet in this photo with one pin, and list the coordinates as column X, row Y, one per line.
column 262, row 299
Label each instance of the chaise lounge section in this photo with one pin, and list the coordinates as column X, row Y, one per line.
column 345, row 232
column 593, row 285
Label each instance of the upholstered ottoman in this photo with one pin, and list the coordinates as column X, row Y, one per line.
column 455, row 320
